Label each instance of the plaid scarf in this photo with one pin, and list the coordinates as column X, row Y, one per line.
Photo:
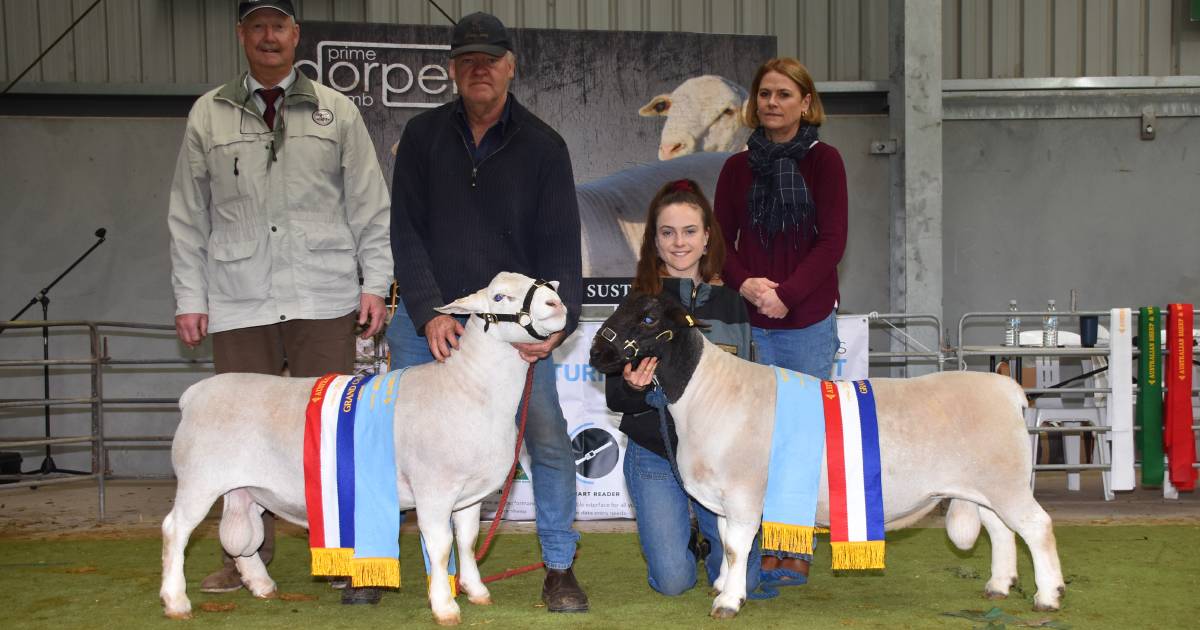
column 779, row 197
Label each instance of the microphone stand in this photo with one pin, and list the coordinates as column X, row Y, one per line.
column 48, row 466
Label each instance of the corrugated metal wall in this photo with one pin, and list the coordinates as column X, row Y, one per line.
column 1068, row 38
column 192, row 41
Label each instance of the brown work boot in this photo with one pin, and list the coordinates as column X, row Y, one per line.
column 562, row 593
column 797, row 565
column 223, row 580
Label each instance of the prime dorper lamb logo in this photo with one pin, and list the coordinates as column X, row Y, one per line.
column 392, row 75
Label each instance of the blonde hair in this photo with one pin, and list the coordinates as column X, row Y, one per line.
column 791, row 68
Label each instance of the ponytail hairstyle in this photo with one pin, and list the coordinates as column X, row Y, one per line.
column 650, row 268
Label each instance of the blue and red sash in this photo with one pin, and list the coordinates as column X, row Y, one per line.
column 350, row 478
column 839, row 417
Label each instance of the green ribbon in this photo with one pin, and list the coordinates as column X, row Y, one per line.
column 1149, row 396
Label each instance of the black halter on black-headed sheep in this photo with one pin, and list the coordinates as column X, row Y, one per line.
column 955, row 435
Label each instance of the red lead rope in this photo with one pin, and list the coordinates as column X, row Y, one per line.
column 487, row 541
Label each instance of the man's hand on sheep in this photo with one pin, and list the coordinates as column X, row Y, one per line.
column 442, row 333
column 753, row 289
column 371, row 314
column 534, row 352
column 192, row 328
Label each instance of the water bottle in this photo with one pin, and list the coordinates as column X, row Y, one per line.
column 1012, row 326
column 1050, row 326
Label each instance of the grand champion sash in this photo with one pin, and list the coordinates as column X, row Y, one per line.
column 350, row 479
column 839, row 417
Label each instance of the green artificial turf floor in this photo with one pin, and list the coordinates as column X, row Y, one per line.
column 1127, row 576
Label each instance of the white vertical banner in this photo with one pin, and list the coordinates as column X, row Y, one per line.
column 597, row 445
column 1120, row 401
column 851, row 361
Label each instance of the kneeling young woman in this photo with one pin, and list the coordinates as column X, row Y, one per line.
column 681, row 255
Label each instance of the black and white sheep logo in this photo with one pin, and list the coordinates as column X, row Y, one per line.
column 596, row 453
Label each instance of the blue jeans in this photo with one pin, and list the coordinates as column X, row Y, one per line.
column 546, row 439
column 664, row 527
column 808, row 350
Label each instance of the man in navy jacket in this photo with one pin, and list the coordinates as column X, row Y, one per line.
column 481, row 186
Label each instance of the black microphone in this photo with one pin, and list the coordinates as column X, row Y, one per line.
column 101, row 232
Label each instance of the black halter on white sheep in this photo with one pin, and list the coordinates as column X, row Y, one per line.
column 956, row 435
column 242, row 438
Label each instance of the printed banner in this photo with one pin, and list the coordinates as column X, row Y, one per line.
column 609, row 94
column 851, row 362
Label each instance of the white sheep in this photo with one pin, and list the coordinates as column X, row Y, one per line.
column 703, row 114
column 956, row 435
column 241, row 437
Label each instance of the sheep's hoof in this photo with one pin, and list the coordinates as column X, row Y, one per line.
column 722, row 612
column 448, row 620
column 486, row 600
column 187, row 614
column 1045, row 607
column 990, row 594
column 271, row 594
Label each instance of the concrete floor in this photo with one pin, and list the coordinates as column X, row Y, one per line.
column 136, row 508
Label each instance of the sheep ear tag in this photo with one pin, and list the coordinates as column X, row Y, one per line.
column 691, row 322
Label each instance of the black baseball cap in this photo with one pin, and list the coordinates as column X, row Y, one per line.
column 250, row 6
column 479, row 32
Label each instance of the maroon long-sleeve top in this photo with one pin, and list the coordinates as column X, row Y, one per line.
column 806, row 270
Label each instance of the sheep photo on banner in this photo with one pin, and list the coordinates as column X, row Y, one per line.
column 636, row 109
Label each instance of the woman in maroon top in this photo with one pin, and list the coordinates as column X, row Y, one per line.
column 782, row 210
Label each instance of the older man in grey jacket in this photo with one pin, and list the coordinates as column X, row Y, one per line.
column 278, row 203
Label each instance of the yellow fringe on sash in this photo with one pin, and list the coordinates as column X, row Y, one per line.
column 453, row 584
column 857, row 555
column 331, row 561
column 375, row 572
column 789, row 538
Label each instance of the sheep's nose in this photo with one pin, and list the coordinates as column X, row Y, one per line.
column 555, row 304
column 666, row 152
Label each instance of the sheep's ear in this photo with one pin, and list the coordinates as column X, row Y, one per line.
column 658, row 106
column 682, row 318
column 744, row 113
column 477, row 302
column 553, row 285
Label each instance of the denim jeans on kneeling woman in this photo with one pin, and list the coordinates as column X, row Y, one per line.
column 664, row 528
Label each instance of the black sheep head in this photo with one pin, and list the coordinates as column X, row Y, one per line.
column 643, row 326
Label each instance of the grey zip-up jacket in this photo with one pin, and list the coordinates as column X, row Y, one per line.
column 273, row 226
